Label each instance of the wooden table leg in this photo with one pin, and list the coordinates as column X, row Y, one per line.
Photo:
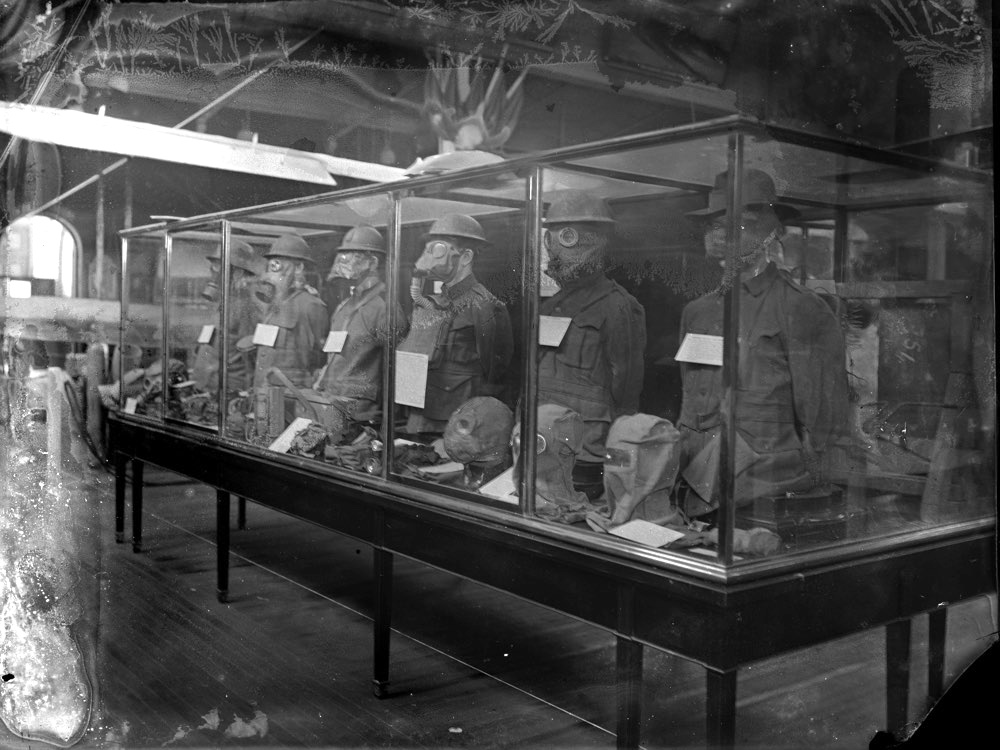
column 222, row 544
column 137, row 467
column 937, row 629
column 720, row 708
column 121, row 461
column 897, row 673
column 241, row 514
column 629, row 692
column 383, row 621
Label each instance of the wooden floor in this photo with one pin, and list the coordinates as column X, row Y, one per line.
column 287, row 662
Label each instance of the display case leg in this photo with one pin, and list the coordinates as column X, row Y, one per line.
column 222, row 544
column 897, row 673
column 629, row 692
column 241, row 514
column 383, row 621
column 121, row 460
column 937, row 629
column 137, row 467
column 720, row 708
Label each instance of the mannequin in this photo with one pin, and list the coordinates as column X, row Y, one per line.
column 792, row 384
column 464, row 331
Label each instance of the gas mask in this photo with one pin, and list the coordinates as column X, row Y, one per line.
column 351, row 265
column 640, row 468
column 279, row 280
column 211, row 291
column 756, row 236
column 559, row 439
column 477, row 437
column 441, row 260
column 574, row 252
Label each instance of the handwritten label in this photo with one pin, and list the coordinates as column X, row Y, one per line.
column 552, row 329
column 130, row 405
column 411, row 379
column 335, row 341
column 205, row 337
column 700, row 349
column 265, row 335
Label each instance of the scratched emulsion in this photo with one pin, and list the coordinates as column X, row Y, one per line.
column 47, row 695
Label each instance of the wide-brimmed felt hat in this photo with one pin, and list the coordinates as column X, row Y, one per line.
column 241, row 255
column 758, row 190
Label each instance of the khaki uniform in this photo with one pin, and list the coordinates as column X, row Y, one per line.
column 597, row 369
column 302, row 322
column 791, row 400
column 205, row 371
column 355, row 372
column 467, row 339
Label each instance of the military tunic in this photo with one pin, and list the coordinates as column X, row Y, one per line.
column 467, row 337
column 791, row 400
column 302, row 322
column 355, row 372
column 597, row 369
column 243, row 318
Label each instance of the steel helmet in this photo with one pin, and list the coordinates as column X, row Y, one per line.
column 363, row 238
column 575, row 206
column 457, row 225
column 290, row 246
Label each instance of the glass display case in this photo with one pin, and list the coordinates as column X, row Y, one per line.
column 717, row 348
column 142, row 345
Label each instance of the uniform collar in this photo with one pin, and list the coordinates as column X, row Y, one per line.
column 758, row 284
column 368, row 282
column 457, row 290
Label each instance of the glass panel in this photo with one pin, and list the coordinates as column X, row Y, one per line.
column 856, row 403
column 309, row 321
column 141, row 353
column 622, row 259
column 193, row 314
column 457, row 371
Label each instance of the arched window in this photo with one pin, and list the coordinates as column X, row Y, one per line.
column 38, row 258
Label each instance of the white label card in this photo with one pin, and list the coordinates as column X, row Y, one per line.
column 645, row 532
column 265, row 335
column 335, row 341
column 502, row 487
column 700, row 349
column 205, row 337
column 130, row 405
column 411, row 379
column 283, row 442
column 551, row 329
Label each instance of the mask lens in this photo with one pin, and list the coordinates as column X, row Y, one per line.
column 274, row 265
column 568, row 237
column 437, row 249
column 547, row 239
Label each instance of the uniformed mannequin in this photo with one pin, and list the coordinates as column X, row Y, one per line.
column 597, row 368
column 355, row 371
column 464, row 331
column 297, row 312
column 792, row 391
column 245, row 268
